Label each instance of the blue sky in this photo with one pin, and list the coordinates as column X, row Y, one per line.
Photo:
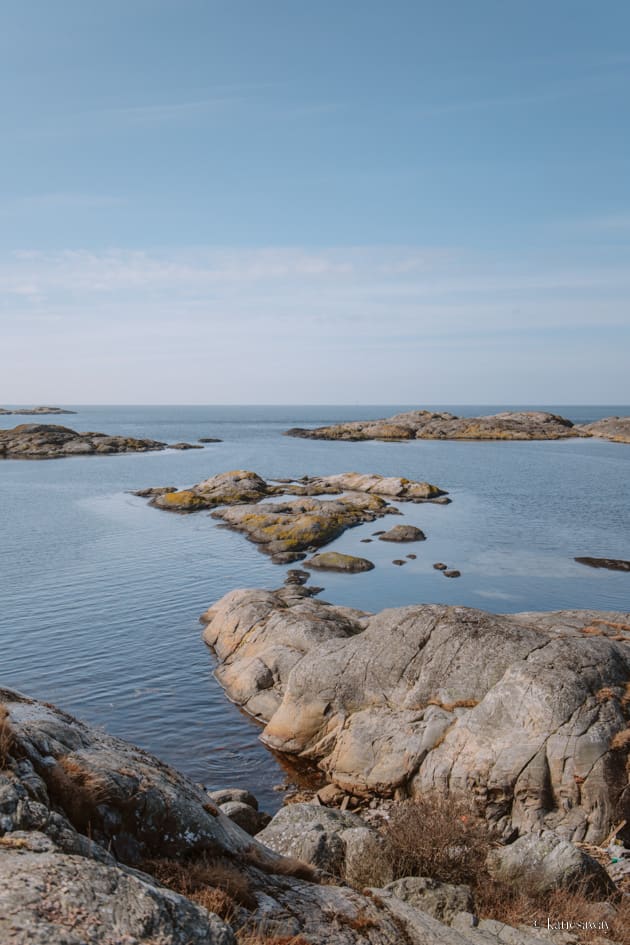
column 285, row 201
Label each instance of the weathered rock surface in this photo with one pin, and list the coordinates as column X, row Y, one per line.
column 335, row 561
column 441, row 900
column 335, row 841
column 611, row 564
column 34, row 411
column 49, row 441
column 425, row 425
column 300, row 524
column 526, row 712
column 542, row 861
column 241, row 487
column 403, row 533
column 48, row 897
column 616, row 429
column 79, row 808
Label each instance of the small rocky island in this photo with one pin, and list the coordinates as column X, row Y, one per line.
column 49, row 441
column 287, row 530
column 34, row 411
column 508, row 425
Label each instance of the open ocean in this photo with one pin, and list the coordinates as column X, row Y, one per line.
column 101, row 594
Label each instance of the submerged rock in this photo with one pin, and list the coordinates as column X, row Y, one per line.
column 335, row 561
column 49, row 441
column 424, row 424
column 526, row 712
column 403, row 533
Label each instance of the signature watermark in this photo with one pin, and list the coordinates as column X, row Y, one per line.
column 571, row 925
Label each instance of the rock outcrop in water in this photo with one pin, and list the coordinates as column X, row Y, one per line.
column 287, row 530
column 34, row 411
column 616, row 429
column 529, row 713
column 426, row 425
column 49, row 441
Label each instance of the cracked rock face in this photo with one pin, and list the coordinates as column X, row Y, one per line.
column 526, row 712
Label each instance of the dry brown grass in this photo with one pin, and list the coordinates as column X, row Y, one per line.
column 447, row 841
column 621, row 741
column 281, row 866
column 78, row 791
column 458, row 704
column 431, row 836
column 6, row 737
column 260, row 937
column 606, row 694
column 216, row 884
column 358, row 923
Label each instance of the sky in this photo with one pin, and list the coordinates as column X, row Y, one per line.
column 287, row 201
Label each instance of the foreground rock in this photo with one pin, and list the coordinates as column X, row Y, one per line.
column 403, row 533
column 529, row 713
column 425, row 425
column 49, row 441
column 35, row 411
column 616, row 429
column 80, row 809
column 542, row 861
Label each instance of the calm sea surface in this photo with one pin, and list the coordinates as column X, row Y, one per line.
column 101, row 594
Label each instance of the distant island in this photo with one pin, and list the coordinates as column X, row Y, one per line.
column 50, row 441
column 34, row 411
column 508, row 425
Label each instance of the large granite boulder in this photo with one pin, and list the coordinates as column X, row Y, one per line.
column 525, row 712
column 427, row 425
column 542, row 861
column 50, row 441
column 335, row 841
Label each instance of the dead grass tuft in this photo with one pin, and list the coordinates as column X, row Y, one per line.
column 431, row 836
column 260, row 937
column 621, row 741
column 606, row 694
column 281, row 866
column 214, row 883
column 458, row 704
column 359, row 923
column 78, row 791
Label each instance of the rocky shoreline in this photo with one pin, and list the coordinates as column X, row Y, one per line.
column 530, row 713
column 103, row 844
column 508, row 425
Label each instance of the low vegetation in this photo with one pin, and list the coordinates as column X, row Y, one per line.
column 450, row 842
